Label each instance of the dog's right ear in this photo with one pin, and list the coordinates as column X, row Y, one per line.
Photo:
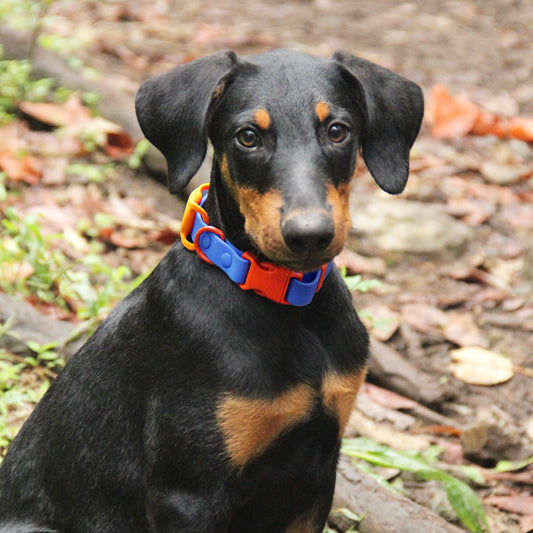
column 174, row 110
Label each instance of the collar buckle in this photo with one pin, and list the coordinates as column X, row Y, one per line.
column 268, row 280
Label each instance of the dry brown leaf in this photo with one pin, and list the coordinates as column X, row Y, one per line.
column 16, row 271
column 387, row 398
column 424, row 318
column 479, row 366
column 70, row 113
column 515, row 503
column 359, row 264
column 461, row 329
column 26, row 168
column 118, row 144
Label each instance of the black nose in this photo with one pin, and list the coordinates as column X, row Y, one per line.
column 308, row 232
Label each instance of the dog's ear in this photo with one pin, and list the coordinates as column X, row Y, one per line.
column 174, row 110
column 393, row 108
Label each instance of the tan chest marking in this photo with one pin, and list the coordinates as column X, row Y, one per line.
column 339, row 393
column 250, row 425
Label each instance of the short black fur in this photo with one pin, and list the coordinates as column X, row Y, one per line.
column 130, row 438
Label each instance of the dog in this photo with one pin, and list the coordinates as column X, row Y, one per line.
column 214, row 397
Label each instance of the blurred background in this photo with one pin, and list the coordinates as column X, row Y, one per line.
column 441, row 274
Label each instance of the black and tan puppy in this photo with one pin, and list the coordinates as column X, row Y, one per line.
column 214, row 397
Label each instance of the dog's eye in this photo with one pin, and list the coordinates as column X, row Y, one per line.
column 337, row 132
column 248, row 138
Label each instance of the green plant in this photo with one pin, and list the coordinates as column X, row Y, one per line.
column 462, row 498
column 16, row 85
column 23, row 382
column 32, row 266
column 357, row 283
column 91, row 172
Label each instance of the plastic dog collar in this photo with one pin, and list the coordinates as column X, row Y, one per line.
column 266, row 279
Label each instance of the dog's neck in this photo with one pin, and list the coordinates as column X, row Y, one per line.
column 224, row 213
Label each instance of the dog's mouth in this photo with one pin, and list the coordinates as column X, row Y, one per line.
column 306, row 265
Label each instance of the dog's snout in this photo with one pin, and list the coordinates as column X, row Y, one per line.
column 308, row 232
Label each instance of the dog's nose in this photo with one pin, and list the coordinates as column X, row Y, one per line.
column 308, row 232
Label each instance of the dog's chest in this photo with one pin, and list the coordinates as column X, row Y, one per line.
column 250, row 425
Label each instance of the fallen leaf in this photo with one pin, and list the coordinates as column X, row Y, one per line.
column 521, row 128
column 424, row 318
column 387, row 398
column 450, row 116
column 167, row 236
column 515, row 503
column 524, row 476
column 70, row 113
column 504, row 174
column 119, row 144
column 128, row 239
column 479, row 366
column 440, row 430
column 16, row 271
column 526, row 524
column 455, row 116
column 26, row 168
column 461, row 329
column 359, row 264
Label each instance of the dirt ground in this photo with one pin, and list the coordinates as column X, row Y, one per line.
column 477, row 292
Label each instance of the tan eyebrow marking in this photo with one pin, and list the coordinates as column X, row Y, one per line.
column 322, row 111
column 262, row 118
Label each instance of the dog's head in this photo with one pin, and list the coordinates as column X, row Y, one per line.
column 286, row 128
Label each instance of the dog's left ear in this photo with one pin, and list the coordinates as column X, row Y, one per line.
column 174, row 110
column 393, row 108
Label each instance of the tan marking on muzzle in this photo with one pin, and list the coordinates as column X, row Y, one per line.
column 339, row 199
column 262, row 219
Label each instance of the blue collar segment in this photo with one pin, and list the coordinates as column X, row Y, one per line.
column 266, row 279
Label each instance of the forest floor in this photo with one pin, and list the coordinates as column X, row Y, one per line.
column 453, row 253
